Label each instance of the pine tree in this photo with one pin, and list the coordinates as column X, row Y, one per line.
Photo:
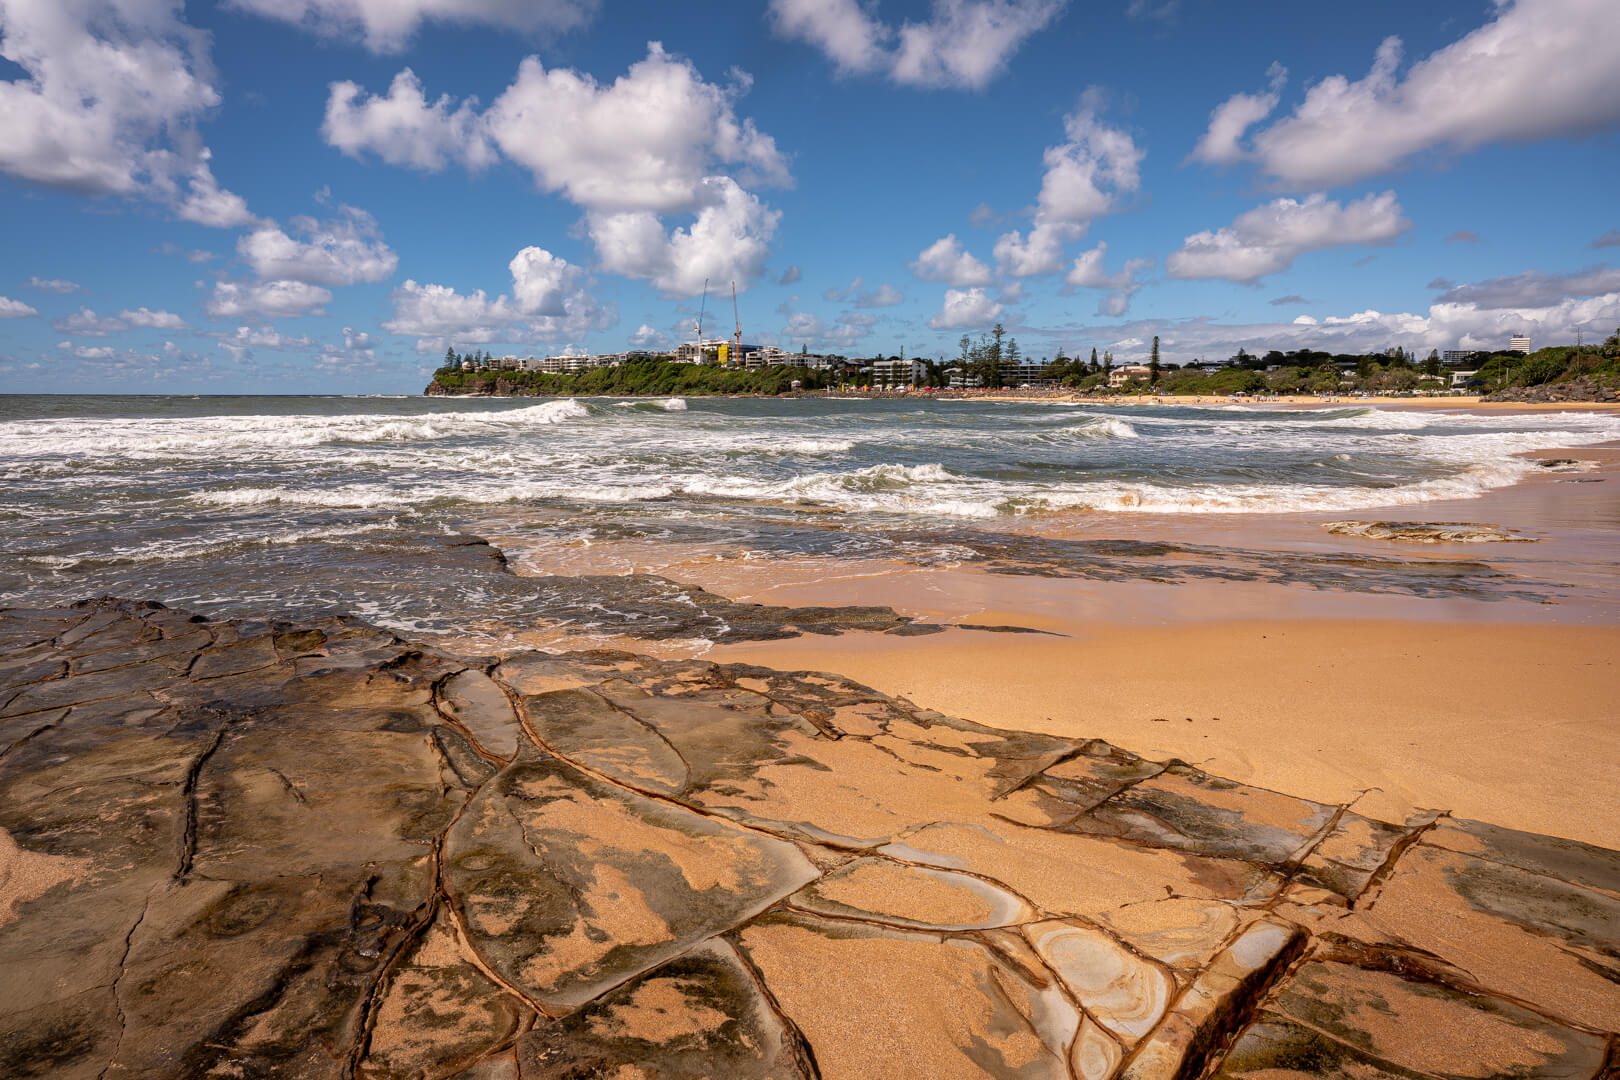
column 450, row 360
column 1153, row 362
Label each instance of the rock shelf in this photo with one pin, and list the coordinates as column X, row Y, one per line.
column 246, row 850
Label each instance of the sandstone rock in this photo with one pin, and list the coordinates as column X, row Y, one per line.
column 234, row 849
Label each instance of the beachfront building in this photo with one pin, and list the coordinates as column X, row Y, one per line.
column 1519, row 343
column 1452, row 357
column 1020, row 372
column 959, row 378
column 1122, row 375
column 898, row 372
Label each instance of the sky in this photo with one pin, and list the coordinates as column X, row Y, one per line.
column 322, row 196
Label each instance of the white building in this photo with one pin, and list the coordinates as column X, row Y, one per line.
column 1122, row 375
column 958, row 378
column 1456, row 356
column 897, row 372
column 1519, row 343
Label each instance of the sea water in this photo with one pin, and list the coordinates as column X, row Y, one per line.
column 284, row 505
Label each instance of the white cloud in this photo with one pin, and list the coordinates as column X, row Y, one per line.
column 388, row 25
column 550, row 302
column 729, row 240
column 966, row 308
column 241, row 342
column 88, row 323
column 402, row 128
column 1540, row 69
column 1085, row 177
column 963, row 43
column 884, row 295
column 646, row 337
column 1236, row 115
column 113, row 92
column 790, row 276
column 54, row 285
column 1270, row 237
column 944, row 260
column 14, row 309
column 153, row 320
column 438, row 311
column 1534, row 288
column 344, row 251
column 647, row 142
column 265, row 299
column 657, row 141
column 1088, row 273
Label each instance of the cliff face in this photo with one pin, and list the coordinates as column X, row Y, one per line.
column 1585, row 388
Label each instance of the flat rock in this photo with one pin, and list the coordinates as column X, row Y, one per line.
column 236, row 849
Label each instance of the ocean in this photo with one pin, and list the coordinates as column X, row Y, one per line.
column 272, row 507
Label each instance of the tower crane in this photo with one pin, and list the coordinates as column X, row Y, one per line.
column 736, row 347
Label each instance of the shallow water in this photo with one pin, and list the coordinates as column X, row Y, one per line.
column 273, row 505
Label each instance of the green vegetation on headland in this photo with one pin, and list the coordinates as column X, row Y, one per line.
column 635, row 377
column 1561, row 372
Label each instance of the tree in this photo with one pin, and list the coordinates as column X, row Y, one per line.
column 1431, row 366
column 1153, row 362
column 450, row 356
column 1013, row 357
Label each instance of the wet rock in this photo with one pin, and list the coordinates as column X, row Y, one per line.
column 567, row 886
column 918, row 897
column 1398, row 1021
column 1428, row 532
column 700, row 1015
column 1124, row 993
column 876, row 1002
column 254, row 850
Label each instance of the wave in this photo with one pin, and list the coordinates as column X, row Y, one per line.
column 164, row 438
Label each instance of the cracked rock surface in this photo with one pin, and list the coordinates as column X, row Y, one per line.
column 243, row 850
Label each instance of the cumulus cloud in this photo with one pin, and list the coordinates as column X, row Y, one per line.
column 54, row 285
column 1230, row 120
column 86, row 322
column 113, row 92
column 148, row 319
column 1088, row 273
column 1608, row 239
column 657, row 141
column 790, row 276
column 885, row 295
column 265, row 299
column 550, row 302
column 647, row 337
column 241, row 342
column 344, row 251
column 14, row 309
column 963, row 43
column 388, row 25
column 945, row 260
column 1086, row 175
column 728, row 240
column 1270, row 237
column 1463, row 236
column 965, row 308
column 403, row 128
column 1539, row 69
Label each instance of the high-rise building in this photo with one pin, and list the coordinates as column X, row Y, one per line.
column 1519, row 343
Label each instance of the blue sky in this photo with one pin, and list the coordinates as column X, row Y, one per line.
column 321, row 195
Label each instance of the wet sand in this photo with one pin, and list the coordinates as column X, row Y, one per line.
column 1506, row 710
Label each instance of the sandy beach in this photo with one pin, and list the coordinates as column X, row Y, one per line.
column 1506, row 711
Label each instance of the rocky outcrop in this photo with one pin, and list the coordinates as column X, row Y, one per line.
column 1428, row 532
column 238, row 849
column 1584, row 388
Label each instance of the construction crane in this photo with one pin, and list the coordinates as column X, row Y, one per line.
column 697, row 328
column 736, row 348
